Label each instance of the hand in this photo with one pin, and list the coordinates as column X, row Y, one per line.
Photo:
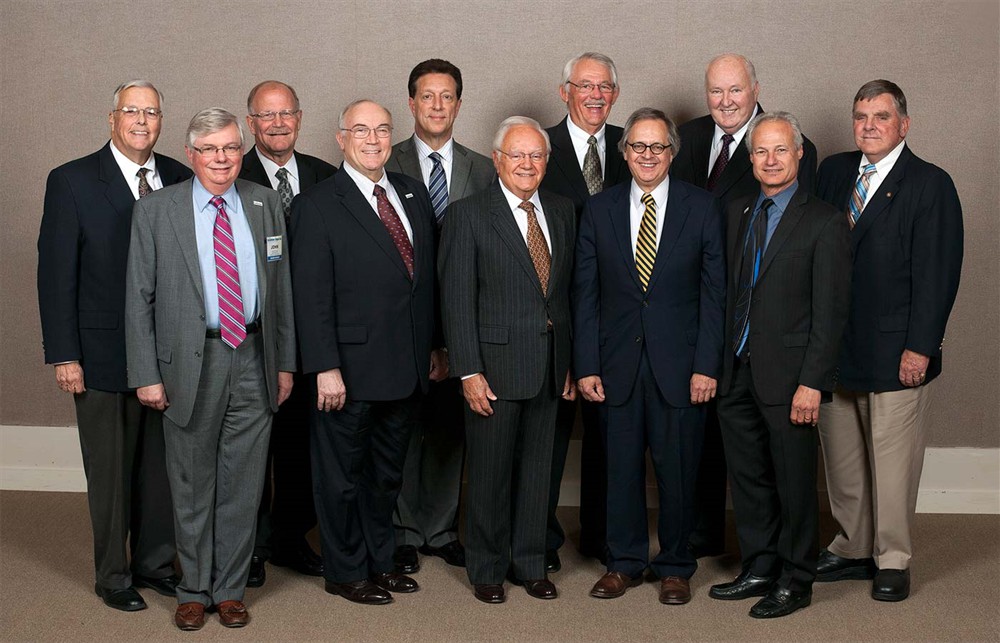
column 702, row 388
column 478, row 394
column 331, row 394
column 913, row 368
column 69, row 377
column 805, row 406
column 285, row 383
column 439, row 365
column 154, row 396
column 569, row 391
column 591, row 388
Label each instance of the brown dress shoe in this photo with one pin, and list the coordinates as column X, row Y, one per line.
column 190, row 616
column 393, row 582
column 674, row 590
column 233, row 613
column 489, row 593
column 613, row 585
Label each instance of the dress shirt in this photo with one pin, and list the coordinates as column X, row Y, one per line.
column 130, row 170
column 367, row 187
column 271, row 168
column 637, row 208
column 424, row 151
column 204, row 228
column 733, row 147
column 579, row 138
column 521, row 217
column 882, row 169
column 775, row 212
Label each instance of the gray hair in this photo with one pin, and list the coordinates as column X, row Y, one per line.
column 651, row 114
column 209, row 121
column 875, row 88
column 511, row 122
column 267, row 83
column 135, row 83
column 747, row 66
column 768, row 117
column 590, row 55
column 341, row 122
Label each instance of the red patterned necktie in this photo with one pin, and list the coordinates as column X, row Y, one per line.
column 720, row 163
column 232, row 328
column 392, row 223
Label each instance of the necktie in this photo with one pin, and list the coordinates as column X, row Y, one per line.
column 720, row 163
column 753, row 253
column 857, row 203
column 227, row 274
column 592, row 168
column 284, row 190
column 144, row 189
column 438, row 187
column 392, row 223
column 537, row 248
column 645, row 243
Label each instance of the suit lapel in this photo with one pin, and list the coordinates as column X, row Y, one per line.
column 461, row 168
column 560, row 246
column 361, row 210
column 701, row 152
column 564, row 158
column 254, row 212
column 408, row 161
column 253, row 169
column 738, row 235
column 739, row 165
column 184, row 230
column 615, row 168
column 880, row 200
column 789, row 219
column 117, row 190
column 307, row 173
column 619, row 215
column 421, row 232
column 510, row 234
column 676, row 214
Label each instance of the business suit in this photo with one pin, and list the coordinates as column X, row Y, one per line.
column 645, row 346
column 82, row 253
column 496, row 323
column 358, row 310
column 796, row 319
column 908, row 247
column 564, row 176
column 221, row 400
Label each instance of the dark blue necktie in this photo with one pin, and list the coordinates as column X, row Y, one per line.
column 753, row 254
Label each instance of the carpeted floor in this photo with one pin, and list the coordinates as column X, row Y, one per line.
column 46, row 589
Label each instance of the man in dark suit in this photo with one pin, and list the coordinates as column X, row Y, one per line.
column 363, row 270
column 648, row 298
column 82, row 254
column 786, row 307
column 426, row 514
column 506, row 258
column 907, row 239
column 211, row 343
column 286, row 511
column 710, row 158
column 583, row 162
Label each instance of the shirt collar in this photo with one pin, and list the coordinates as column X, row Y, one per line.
column 366, row 185
column 271, row 168
column 202, row 196
column 424, row 150
column 659, row 193
column 781, row 199
column 515, row 201
column 129, row 167
column 580, row 136
column 882, row 167
column 738, row 136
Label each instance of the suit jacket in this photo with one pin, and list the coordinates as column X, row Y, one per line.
column 493, row 307
column 355, row 305
column 82, row 253
column 737, row 181
column 312, row 170
column 165, row 309
column 564, row 176
column 678, row 320
column 908, row 247
column 470, row 171
column 800, row 301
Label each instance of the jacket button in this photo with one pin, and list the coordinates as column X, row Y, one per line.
column 202, row 317
column 645, row 304
column 197, row 353
column 638, row 339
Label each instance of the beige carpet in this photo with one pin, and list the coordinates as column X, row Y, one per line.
column 46, row 589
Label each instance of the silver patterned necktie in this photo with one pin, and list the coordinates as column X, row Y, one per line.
column 284, row 190
column 592, row 168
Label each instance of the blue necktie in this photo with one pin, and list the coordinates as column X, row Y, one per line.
column 857, row 203
column 438, row 187
column 753, row 254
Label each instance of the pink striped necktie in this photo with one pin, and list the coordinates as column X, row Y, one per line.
column 231, row 320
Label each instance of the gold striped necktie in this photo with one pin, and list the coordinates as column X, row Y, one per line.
column 645, row 245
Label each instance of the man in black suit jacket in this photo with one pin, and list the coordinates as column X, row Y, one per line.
column 364, row 288
column 82, row 253
column 506, row 257
column 786, row 307
column 731, row 91
column 286, row 512
column 578, row 169
column 907, row 243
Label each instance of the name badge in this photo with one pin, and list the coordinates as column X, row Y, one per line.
column 274, row 248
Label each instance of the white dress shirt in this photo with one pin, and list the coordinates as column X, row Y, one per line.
column 424, row 151
column 733, row 147
column 271, row 168
column 637, row 208
column 130, row 170
column 579, row 139
column 882, row 169
column 521, row 217
column 367, row 187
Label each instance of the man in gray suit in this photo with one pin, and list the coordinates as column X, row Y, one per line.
column 426, row 515
column 505, row 261
column 211, row 343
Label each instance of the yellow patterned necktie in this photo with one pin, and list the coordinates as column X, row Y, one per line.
column 645, row 245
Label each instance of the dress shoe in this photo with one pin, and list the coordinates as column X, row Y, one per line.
column 489, row 593
column 405, row 559
column 233, row 613
column 891, row 585
column 613, row 585
column 453, row 553
column 393, row 582
column 543, row 588
column 552, row 562
column 301, row 559
column 167, row 586
column 126, row 600
column 675, row 590
column 257, row 572
column 780, row 601
column 190, row 616
column 831, row 567
column 745, row 586
column 362, row 591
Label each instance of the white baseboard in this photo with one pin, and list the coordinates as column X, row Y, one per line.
column 955, row 480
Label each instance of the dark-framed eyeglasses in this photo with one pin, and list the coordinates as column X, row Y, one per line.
column 655, row 148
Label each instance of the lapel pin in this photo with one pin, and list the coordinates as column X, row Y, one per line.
column 258, row 203
column 408, row 195
column 888, row 195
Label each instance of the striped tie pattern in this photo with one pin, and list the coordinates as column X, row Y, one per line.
column 438, row 187
column 857, row 203
column 537, row 247
column 144, row 188
column 645, row 245
column 231, row 319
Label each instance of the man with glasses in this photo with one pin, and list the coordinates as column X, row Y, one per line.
column 363, row 270
column 648, row 300
column 286, row 511
column 211, row 343
column 82, row 254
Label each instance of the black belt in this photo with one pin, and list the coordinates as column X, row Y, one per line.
column 215, row 333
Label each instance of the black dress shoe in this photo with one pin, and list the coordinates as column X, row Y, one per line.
column 453, row 553
column 257, row 572
column 552, row 562
column 301, row 559
column 543, row 588
column 745, row 586
column 362, row 591
column 489, row 593
column 891, row 585
column 167, row 586
column 831, row 567
column 126, row 600
column 393, row 582
column 780, row 601
column 405, row 559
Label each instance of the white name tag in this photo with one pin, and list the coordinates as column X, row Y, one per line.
column 274, row 247
column 408, row 195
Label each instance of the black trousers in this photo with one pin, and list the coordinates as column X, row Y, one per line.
column 710, row 509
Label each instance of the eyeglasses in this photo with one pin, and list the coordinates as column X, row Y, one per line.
column 362, row 131
column 209, row 151
column 517, row 157
column 285, row 114
column 655, row 148
column 586, row 88
column 130, row 111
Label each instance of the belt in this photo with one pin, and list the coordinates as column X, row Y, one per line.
column 215, row 333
